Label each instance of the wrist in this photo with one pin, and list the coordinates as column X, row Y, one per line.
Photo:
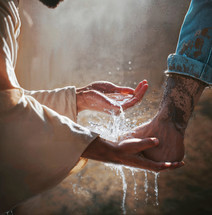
column 101, row 150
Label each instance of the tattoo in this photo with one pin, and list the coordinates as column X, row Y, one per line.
column 180, row 96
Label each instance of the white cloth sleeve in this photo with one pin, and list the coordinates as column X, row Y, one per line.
column 9, row 31
column 61, row 100
column 39, row 145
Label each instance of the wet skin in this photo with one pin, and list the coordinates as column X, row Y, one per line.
column 180, row 96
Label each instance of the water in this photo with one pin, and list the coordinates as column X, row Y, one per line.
column 9, row 213
column 135, row 184
column 156, row 188
column 119, row 169
column 120, row 172
column 146, row 186
column 110, row 128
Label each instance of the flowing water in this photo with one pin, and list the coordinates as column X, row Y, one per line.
column 110, row 128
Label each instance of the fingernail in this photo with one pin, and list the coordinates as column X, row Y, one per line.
column 178, row 163
column 168, row 163
column 181, row 163
column 155, row 140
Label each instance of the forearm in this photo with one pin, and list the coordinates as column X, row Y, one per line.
column 180, row 96
column 189, row 72
column 190, row 68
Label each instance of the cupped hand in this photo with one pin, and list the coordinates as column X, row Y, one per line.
column 130, row 153
column 107, row 97
column 127, row 152
column 171, row 147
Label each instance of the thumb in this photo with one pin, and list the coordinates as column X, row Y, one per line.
column 137, row 145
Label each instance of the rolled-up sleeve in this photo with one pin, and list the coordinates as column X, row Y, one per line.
column 194, row 49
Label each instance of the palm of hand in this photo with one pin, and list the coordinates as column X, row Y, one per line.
column 107, row 97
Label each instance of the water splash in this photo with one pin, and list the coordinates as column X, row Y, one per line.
column 110, row 128
column 116, row 126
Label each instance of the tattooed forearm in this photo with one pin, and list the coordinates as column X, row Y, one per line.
column 180, row 96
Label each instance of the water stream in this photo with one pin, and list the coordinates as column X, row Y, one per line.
column 111, row 128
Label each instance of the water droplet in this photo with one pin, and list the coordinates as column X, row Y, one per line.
column 130, row 62
column 109, row 73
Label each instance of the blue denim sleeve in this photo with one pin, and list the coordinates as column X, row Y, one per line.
column 194, row 49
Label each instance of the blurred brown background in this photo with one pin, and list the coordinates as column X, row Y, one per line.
column 123, row 41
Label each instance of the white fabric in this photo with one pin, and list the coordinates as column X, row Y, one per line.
column 39, row 143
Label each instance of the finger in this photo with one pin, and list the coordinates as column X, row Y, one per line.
column 148, row 143
column 139, row 93
column 101, row 86
column 137, row 98
column 156, row 166
column 162, row 166
column 140, row 85
column 137, row 145
column 108, row 87
column 128, row 90
column 125, row 90
column 144, row 163
column 176, row 165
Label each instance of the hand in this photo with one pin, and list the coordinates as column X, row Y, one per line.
column 106, row 97
column 130, row 153
column 127, row 152
column 171, row 147
column 180, row 96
